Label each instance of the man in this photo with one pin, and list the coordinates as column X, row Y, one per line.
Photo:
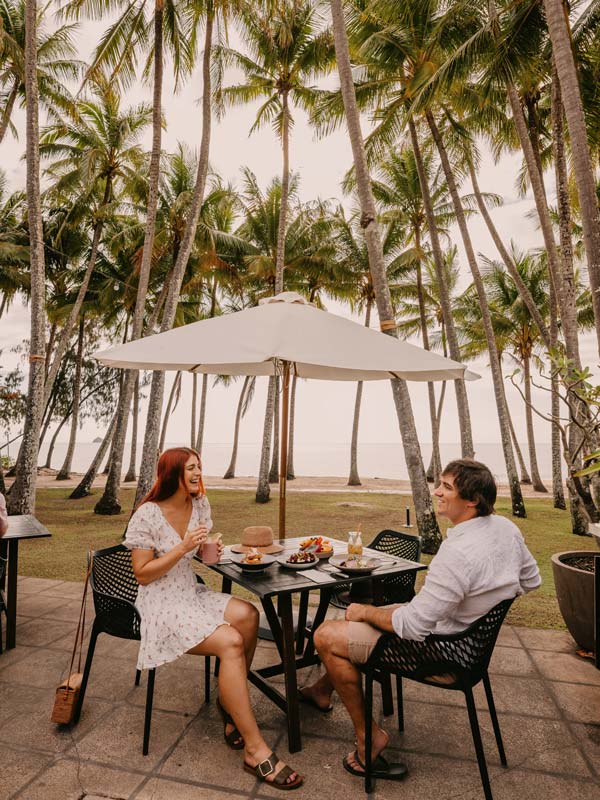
column 482, row 561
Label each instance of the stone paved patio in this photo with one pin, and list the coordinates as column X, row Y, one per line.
column 548, row 701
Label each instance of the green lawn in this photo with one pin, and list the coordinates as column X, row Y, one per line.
column 76, row 529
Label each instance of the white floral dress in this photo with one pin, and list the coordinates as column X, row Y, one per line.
column 177, row 612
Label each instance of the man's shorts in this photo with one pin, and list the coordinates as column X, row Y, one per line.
column 362, row 639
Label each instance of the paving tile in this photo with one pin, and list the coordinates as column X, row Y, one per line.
column 40, row 667
column 71, row 590
column 518, row 695
column 510, row 784
column 103, row 745
column 566, row 667
column 537, row 639
column 15, row 699
column 161, row 789
column 33, row 727
column 110, row 679
column 580, row 703
column 36, row 605
column 508, row 637
column 30, row 585
column 175, row 689
column 588, row 737
column 40, row 632
column 18, row 768
column 511, row 661
column 122, row 649
column 72, row 780
column 10, row 657
column 67, row 610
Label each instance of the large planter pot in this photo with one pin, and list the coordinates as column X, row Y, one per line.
column 574, row 584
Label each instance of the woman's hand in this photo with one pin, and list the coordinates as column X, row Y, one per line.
column 220, row 549
column 194, row 538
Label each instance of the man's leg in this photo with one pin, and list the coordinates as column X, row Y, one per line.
column 331, row 641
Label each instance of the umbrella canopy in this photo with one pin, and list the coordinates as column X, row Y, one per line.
column 319, row 344
column 283, row 334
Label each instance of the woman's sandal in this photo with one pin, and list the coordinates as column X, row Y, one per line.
column 234, row 738
column 267, row 767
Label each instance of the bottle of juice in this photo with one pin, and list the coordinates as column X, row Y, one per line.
column 355, row 545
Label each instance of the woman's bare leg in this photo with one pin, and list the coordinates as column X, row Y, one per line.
column 243, row 616
column 227, row 644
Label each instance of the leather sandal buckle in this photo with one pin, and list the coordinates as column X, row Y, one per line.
column 265, row 772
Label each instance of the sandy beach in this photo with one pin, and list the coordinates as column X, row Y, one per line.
column 47, row 480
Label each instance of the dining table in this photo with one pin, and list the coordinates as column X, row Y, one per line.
column 276, row 587
column 20, row 526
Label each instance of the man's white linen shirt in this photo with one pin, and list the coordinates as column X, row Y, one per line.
column 481, row 562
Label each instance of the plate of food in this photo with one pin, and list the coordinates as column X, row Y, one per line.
column 299, row 560
column 321, row 547
column 355, row 565
column 253, row 561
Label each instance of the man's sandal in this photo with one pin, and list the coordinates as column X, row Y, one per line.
column 234, row 738
column 380, row 768
column 267, row 767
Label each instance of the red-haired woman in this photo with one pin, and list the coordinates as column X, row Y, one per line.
column 179, row 615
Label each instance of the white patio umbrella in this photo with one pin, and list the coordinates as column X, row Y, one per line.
column 282, row 335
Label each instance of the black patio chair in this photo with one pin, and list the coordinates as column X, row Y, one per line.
column 460, row 659
column 2, row 598
column 392, row 589
column 114, row 589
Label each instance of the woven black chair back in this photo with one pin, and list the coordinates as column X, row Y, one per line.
column 465, row 655
column 396, row 588
column 115, row 589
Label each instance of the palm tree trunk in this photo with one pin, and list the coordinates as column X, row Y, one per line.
column 194, row 403
column 518, row 506
column 69, row 326
column 48, row 417
column 464, row 419
column 8, row 109
column 558, row 495
column 522, row 465
column 230, row 471
column 435, row 467
column 426, row 520
column 263, row 490
column 84, row 487
column 163, row 432
column 507, row 259
column 274, row 470
column 285, row 188
column 560, row 34
column 291, row 476
column 202, row 415
column 354, row 478
column 59, row 427
column 22, row 495
column 149, row 452
column 65, row 471
column 135, row 413
column 537, row 482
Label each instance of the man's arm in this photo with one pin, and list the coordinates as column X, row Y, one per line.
column 377, row 617
column 3, row 516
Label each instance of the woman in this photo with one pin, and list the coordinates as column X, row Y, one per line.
column 179, row 615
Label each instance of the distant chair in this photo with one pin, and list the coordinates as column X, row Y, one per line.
column 456, row 662
column 2, row 598
column 390, row 589
column 114, row 589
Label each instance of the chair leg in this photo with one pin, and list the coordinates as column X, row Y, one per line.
column 138, row 675
column 207, row 679
column 485, row 780
column 368, row 732
column 148, row 717
column 86, row 673
column 387, row 699
column 496, row 725
column 217, row 667
column 399, row 701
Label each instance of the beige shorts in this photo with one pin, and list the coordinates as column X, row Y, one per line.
column 362, row 639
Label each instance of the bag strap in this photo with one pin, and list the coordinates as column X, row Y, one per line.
column 79, row 634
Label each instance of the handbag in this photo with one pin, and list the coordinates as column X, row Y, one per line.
column 67, row 693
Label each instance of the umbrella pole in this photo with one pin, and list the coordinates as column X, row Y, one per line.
column 285, row 408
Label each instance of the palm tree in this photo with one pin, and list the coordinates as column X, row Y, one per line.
column 56, row 62
column 22, row 495
column 14, row 246
column 426, row 519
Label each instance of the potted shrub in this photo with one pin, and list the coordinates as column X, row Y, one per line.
column 574, row 581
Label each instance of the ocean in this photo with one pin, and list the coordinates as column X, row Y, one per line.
column 375, row 459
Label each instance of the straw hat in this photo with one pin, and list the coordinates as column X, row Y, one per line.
column 259, row 537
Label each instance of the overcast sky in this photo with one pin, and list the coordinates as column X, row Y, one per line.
column 324, row 410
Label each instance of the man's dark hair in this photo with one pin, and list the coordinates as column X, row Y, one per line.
column 474, row 481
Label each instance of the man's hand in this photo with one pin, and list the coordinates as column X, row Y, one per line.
column 355, row 612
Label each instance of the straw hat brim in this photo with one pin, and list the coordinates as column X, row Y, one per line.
column 269, row 549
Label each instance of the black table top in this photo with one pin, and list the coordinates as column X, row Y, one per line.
column 25, row 526
column 279, row 580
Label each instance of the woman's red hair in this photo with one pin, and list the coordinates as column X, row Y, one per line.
column 169, row 474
